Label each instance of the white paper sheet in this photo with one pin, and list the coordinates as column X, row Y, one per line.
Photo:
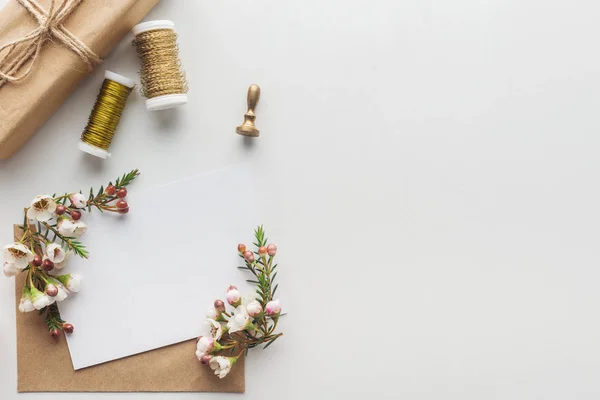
column 153, row 273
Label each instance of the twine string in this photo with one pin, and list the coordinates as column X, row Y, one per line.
column 49, row 26
column 161, row 72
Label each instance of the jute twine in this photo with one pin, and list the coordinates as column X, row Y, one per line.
column 50, row 26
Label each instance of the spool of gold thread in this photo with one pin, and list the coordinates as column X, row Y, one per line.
column 163, row 80
column 106, row 114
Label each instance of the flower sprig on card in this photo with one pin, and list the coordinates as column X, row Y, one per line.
column 253, row 320
column 51, row 229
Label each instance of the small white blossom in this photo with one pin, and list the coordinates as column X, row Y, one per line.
column 216, row 330
column 39, row 299
column 61, row 265
column 80, row 228
column 18, row 255
column 240, row 320
column 204, row 346
column 78, row 200
column 70, row 281
column 55, row 253
column 74, row 284
column 66, row 227
column 42, row 208
column 69, row 228
column 62, row 293
column 25, row 305
column 221, row 365
column 10, row 269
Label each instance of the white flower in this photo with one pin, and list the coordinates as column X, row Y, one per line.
column 9, row 269
column 18, row 255
column 254, row 308
column 66, row 227
column 74, row 284
column 39, row 299
column 61, row 265
column 55, row 253
column 25, row 305
column 273, row 308
column 42, row 208
column 204, row 346
column 221, row 365
column 212, row 313
column 80, row 228
column 62, row 293
column 70, row 281
column 78, row 200
column 240, row 320
column 216, row 330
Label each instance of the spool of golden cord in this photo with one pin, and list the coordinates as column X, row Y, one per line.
column 106, row 114
column 163, row 80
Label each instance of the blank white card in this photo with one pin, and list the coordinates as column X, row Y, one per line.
column 153, row 273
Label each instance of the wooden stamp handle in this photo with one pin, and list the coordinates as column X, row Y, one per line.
column 253, row 96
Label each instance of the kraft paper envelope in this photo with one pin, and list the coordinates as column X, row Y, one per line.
column 44, row 364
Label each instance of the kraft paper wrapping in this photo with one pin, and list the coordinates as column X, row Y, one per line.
column 44, row 364
column 26, row 105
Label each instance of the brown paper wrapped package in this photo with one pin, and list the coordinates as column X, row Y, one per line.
column 26, row 105
column 169, row 369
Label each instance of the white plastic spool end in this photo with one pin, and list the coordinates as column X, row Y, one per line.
column 93, row 150
column 165, row 102
column 153, row 26
column 119, row 79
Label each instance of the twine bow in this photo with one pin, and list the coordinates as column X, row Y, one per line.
column 50, row 26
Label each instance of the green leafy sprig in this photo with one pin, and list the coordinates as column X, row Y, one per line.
column 262, row 330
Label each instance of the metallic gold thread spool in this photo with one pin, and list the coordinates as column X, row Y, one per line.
column 106, row 114
column 163, row 79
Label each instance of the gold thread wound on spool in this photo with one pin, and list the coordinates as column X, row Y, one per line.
column 161, row 72
column 105, row 117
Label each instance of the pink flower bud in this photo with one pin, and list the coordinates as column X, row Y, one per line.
column 204, row 346
column 273, row 308
column 55, row 333
column 241, row 248
column 254, row 309
column 51, row 290
column 231, row 287
column 262, row 251
column 234, row 297
column 205, row 360
column 249, row 256
column 272, row 250
column 219, row 305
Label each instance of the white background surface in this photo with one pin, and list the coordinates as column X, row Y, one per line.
column 430, row 170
